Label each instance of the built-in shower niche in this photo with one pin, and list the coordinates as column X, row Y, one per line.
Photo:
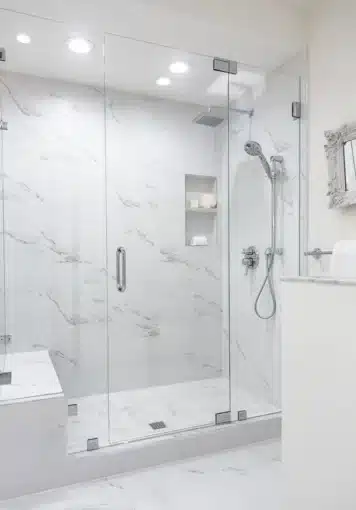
column 201, row 209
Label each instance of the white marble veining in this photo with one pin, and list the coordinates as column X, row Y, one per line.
column 59, row 190
column 246, row 478
column 63, row 187
column 180, row 406
column 33, row 377
column 255, row 343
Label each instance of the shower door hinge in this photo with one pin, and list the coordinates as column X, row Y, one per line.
column 223, row 418
column 92, row 444
column 2, row 55
column 4, row 125
column 5, row 339
column 296, row 110
column 72, row 409
column 225, row 66
column 5, row 378
column 242, row 415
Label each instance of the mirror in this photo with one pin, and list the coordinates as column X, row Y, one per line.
column 350, row 165
column 341, row 155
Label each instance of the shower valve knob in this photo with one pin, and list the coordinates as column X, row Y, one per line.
column 250, row 258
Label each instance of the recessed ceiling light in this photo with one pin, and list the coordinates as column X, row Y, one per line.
column 163, row 81
column 80, row 45
column 179, row 68
column 23, row 38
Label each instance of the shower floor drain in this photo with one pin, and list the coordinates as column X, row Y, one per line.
column 156, row 425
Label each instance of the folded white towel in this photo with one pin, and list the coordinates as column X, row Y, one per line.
column 207, row 200
column 199, row 241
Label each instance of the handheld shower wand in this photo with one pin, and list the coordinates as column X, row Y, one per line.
column 254, row 149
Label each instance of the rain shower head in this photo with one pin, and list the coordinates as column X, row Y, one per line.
column 208, row 119
column 217, row 114
column 254, row 149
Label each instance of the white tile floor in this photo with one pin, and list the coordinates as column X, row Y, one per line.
column 243, row 479
column 180, row 406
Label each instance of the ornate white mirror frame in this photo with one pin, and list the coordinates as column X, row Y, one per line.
column 339, row 196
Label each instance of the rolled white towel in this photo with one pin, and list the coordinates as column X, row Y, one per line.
column 343, row 259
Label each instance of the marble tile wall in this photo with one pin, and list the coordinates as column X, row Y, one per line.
column 60, row 280
column 256, row 343
column 170, row 314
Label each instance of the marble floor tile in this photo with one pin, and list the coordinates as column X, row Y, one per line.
column 247, row 478
column 126, row 416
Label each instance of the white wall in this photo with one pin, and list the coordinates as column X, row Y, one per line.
column 332, row 47
column 167, row 327
column 318, row 381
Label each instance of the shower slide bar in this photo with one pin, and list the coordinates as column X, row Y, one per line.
column 317, row 253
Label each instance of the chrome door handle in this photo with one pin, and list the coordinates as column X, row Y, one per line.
column 121, row 269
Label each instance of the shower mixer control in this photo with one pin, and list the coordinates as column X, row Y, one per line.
column 250, row 258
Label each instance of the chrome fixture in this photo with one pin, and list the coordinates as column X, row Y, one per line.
column 225, row 66
column 5, row 378
column 209, row 119
column 250, row 258
column 296, row 110
column 215, row 115
column 317, row 253
column 121, row 269
column 254, row 149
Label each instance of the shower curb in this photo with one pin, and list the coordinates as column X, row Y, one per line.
column 116, row 460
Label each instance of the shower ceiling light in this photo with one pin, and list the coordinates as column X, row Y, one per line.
column 80, row 45
column 163, row 81
column 179, row 68
column 23, row 38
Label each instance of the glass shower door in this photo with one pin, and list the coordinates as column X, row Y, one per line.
column 5, row 374
column 166, row 165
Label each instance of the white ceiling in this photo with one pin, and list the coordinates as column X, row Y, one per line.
column 131, row 65
column 258, row 32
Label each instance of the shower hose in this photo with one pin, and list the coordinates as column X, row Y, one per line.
column 270, row 257
column 268, row 280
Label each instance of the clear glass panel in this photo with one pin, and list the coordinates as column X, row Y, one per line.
column 261, row 112
column 166, row 169
column 53, row 165
column 4, row 344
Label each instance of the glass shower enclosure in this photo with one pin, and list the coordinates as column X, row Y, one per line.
column 127, row 199
column 112, row 233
